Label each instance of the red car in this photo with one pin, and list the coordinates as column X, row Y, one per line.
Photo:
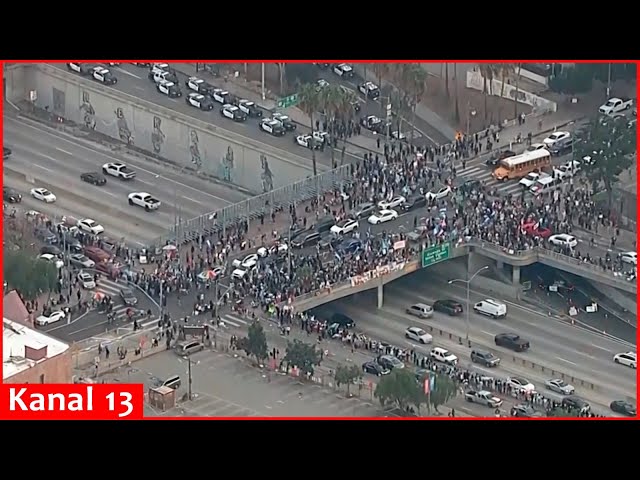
column 533, row 229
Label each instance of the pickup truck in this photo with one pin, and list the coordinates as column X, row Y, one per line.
column 119, row 170
column 144, row 200
column 615, row 105
column 483, row 398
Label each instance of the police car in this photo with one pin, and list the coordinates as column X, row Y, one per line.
column 343, row 70
column 320, row 84
column 285, row 121
column 321, row 137
column 81, row 68
column 249, row 108
column 221, row 96
column 371, row 122
column 199, row 101
column 169, row 88
column 103, row 75
column 233, row 112
column 272, row 126
column 308, row 141
column 369, row 89
column 160, row 67
column 198, row 85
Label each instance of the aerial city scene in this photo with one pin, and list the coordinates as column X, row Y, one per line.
column 325, row 239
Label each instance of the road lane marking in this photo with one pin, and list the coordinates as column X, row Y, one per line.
column 64, row 151
column 128, row 73
column 110, row 194
column 565, row 360
column 43, row 168
column 584, row 354
column 138, row 88
column 601, row 348
column 191, row 199
column 486, row 333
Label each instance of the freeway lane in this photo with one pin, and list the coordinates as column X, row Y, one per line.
column 59, row 161
column 135, row 82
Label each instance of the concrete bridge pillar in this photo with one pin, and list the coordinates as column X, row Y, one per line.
column 516, row 276
column 380, row 295
column 499, row 264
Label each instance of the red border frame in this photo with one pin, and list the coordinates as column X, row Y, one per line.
column 358, row 61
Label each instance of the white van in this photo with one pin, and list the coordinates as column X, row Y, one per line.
column 545, row 185
column 238, row 274
column 491, row 308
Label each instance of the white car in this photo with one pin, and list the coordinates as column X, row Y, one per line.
column 520, row 384
column 321, row 83
column 535, row 146
column 307, row 141
column 199, row 101
column 220, row 96
column 90, row 226
column 250, row 108
column 52, row 259
column 419, row 335
column 531, row 178
column 80, row 260
column 81, row 68
column 86, row 281
column 563, row 240
column 564, row 171
column 629, row 257
column 274, row 249
column 369, row 89
column 170, row 89
column 103, row 75
column 197, row 84
column 560, row 386
column 117, row 169
column 343, row 70
column 274, row 127
column 247, row 262
column 396, row 201
column 382, row 216
column 555, row 137
column 345, row 226
column 438, row 194
column 53, row 318
column 232, row 112
column 43, row 195
column 144, row 200
column 628, row 359
column 444, row 356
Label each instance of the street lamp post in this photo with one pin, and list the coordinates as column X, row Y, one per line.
column 468, row 283
column 289, row 249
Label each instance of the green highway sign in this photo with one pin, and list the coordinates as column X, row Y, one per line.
column 435, row 254
column 289, row 101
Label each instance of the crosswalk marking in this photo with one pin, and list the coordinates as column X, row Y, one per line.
column 233, row 320
column 478, row 171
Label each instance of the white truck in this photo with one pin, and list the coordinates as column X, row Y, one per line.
column 483, row 397
column 615, row 105
column 144, row 200
column 119, row 170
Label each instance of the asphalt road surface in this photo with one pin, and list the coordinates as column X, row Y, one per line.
column 559, row 346
column 133, row 81
column 59, row 159
column 94, row 324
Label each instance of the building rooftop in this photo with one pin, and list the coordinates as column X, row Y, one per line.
column 16, row 338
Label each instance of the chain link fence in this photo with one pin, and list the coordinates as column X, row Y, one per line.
column 260, row 205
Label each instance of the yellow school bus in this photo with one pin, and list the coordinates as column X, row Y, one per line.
column 519, row 166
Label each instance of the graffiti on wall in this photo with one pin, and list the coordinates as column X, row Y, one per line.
column 267, row 174
column 157, row 135
column 88, row 112
column 59, row 102
column 194, row 149
column 123, row 127
column 227, row 165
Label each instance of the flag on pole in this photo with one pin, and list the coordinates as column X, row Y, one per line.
column 427, row 385
column 432, row 383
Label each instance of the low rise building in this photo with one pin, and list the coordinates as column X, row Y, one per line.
column 30, row 356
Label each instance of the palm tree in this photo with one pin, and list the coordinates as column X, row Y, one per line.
column 309, row 101
column 411, row 80
column 455, row 92
column 487, row 70
column 382, row 71
column 282, row 75
column 505, row 70
column 337, row 104
column 446, row 80
column 518, row 68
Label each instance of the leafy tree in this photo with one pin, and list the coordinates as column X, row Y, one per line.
column 561, row 412
column 255, row 343
column 400, row 389
column 347, row 375
column 411, row 79
column 302, row 355
column 608, row 145
column 29, row 275
column 309, row 101
column 444, row 389
column 579, row 78
column 489, row 71
column 336, row 103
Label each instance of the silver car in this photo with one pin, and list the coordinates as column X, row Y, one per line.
column 185, row 349
column 560, row 386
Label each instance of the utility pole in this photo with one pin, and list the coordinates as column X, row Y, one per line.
column 190, row 378
column 289, row 249
column 388, row 120
column 215, row 297
column 609, row 81
column 264, row 95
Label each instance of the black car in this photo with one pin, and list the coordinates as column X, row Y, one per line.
column 349, row 247
column 71, row 243
column 374, row 368
column 487, row 359
column 306, row 240
column 469, row 186
column 525, row 411
column 417, row 201
column 6, row 152
column 285, row 121
column 343, row 320
column 51, row 250
column 450, row 307
column 329, row 242
column 128, row 297
column 575, row 403
column 624, row 408
column 95, row 178
column 364, row 210
column 46, row 235
column 10, row 195
column 390, row 362
column 512, row 342
column 494, row 160
column 562, row 147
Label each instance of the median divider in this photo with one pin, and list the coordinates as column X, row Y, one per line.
column 519, row 361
